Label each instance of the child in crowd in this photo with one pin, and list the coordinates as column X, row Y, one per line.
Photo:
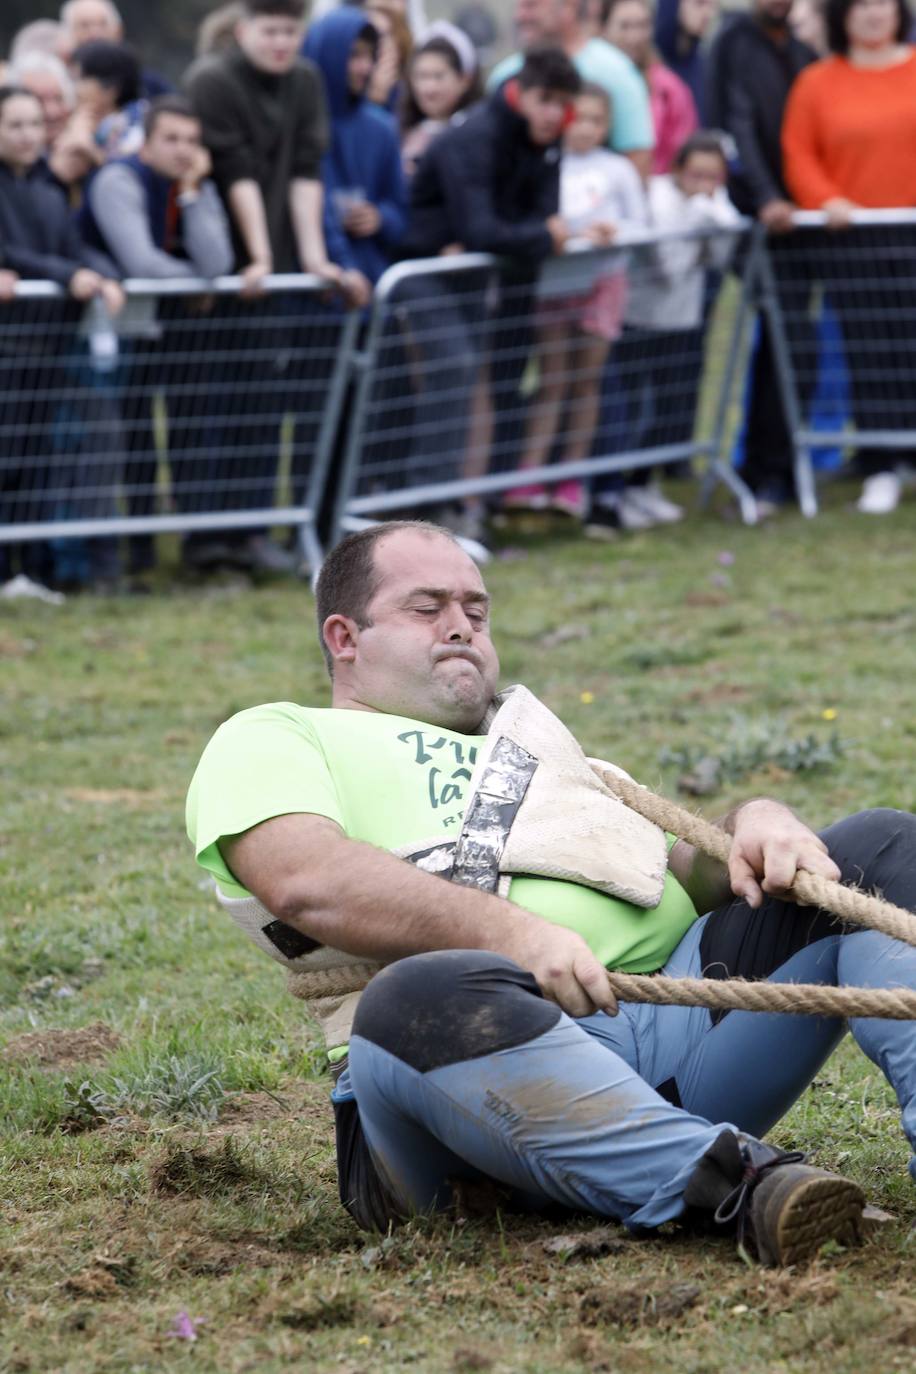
column 443, row 79
column 361, row 171
column 580, row 313
column 661, row 352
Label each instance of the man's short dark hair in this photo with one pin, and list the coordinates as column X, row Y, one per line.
column 286, row 9
column 547, row 68
column 114, row 65
column 348, row 580
column 169, row 104
column 836, row 12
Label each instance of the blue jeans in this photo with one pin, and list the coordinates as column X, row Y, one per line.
column 459, row 1069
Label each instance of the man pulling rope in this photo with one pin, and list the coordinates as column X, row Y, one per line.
column 490, row 1045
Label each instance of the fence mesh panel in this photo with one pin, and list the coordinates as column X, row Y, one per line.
column 845, row 302
column 483, row 380
column 201, row 409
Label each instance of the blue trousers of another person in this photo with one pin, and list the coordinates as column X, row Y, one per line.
column 459, row 1069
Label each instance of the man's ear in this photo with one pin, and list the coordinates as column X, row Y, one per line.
column 341, row 635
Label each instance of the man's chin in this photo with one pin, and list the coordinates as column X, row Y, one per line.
column 462, row 703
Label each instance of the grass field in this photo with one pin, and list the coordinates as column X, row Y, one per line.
column 175, row 1155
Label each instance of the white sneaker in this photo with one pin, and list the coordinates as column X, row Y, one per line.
column 631, row 512
column 880, row 494
column 21, row 588
column 659, row 509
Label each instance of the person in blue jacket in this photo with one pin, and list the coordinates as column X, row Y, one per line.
column 365, row 197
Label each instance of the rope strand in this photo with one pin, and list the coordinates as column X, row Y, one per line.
column 809, row 889
column 726, row 994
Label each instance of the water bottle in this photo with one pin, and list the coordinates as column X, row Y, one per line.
column 103, row 341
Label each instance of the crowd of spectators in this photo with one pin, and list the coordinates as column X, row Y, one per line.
column 342, row 143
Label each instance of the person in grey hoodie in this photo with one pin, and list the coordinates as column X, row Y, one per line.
column 159, row 216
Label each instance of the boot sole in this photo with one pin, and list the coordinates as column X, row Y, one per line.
column 817, row 1210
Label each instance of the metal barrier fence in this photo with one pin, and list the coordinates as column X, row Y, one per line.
column 861, row 281
column 195, row 410
column 466, row 383
column 475, row 380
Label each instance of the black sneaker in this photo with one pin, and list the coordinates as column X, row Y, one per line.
column 601, row 524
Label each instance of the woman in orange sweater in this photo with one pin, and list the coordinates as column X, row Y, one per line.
column 848, row 138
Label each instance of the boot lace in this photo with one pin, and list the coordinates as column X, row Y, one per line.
column 737, row 1205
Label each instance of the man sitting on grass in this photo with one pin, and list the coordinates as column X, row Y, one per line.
column 491, row 1047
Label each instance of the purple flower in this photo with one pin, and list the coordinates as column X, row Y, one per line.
column 184, row 1327
column 725, row 559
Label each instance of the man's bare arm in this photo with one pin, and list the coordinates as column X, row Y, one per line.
column 365, row 901
column 769, row 845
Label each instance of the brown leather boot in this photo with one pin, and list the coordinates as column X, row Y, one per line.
column 783, row 1209
column 795, row 1209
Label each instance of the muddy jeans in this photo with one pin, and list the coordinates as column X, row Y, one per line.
column 459, row 1069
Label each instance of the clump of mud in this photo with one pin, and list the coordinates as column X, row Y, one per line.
column 60, row 1049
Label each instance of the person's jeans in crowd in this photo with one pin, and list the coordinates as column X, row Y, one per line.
column 36, row 335
column 443, row 336
column 768, row 462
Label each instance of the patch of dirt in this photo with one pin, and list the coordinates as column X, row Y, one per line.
column 603, row 1240
column 901, row 1327
column 214, row 1259
column 782, row 1291
column 104, row 1278
column 16, row 648
column 296, row 1101
column 636, row 1307
column 469, row 1358
column 60, row 1049
column 706, row 599
column 321, row 1315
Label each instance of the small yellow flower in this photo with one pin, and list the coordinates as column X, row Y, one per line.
column 587, row 698
column 364, row 1340
column 829, row 713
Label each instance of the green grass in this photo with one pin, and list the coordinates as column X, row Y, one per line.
column 190, row 1168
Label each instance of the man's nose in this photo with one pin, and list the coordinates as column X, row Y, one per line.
column 459, row 628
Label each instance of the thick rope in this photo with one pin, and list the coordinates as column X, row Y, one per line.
column 732, row 994
column 809, row 889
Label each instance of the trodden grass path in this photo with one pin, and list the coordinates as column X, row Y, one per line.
column 168, row 1172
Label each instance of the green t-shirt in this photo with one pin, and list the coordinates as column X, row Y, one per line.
column 391, row 782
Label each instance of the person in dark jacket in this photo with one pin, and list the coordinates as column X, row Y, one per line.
column 365, row 208
column 680, row 28
column 39, row 241
column 492, row 185
column 752, row 66
column 265, row 125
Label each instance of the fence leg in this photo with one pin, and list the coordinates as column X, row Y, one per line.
column 309, row 541
column 802, row 467
column 720, row 468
